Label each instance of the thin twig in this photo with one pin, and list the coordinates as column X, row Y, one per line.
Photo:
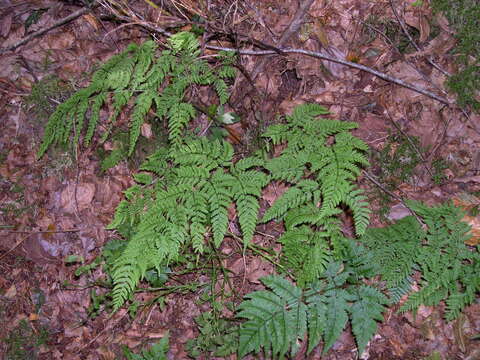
column 322, row 56
column 317, row 55
column 40, row 32
column 395, row 196
column 293, row 28
column 412, row 144
column 40, row 232
column 404, row 28
column 15, row 246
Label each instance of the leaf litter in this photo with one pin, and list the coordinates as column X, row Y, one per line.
column 37, row 207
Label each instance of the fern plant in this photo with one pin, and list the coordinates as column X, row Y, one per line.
column 449, row 269
column 279, row 319
column 140, row 77
column 196, row 182
column 157, row 351
column 320, row 161
column 181, row 200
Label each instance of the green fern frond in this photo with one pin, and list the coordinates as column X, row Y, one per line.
column 247, row 207
column 219, row 199
column 204, row 153
column 142, row 106
column 290, row 168
column 140, row 74
column 337, row 316
column 438, row 252
column 310, row 152
column 366, row 310
column 181, row 202
column 275, row 319
column 279, row 319
column 293, row 197
column 222, row 90
column 185, row 42
column 178, row 116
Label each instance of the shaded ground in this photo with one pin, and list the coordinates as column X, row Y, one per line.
column 57, row 206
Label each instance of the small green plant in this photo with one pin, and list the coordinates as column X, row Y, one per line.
column 187, row 201
column 139, row 76
column 449, row 269
column 178, row 211
column 464, row 16
column 218, row 337
column 23, row 341
column 320, row 162
column 45, row 96
column 397, row 162
column 278, row 319
column 391, row 31
column 157, row 351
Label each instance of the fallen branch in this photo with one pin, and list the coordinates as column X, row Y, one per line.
column 317, row 55
column 338, row 61
column 293, row 28
column 40, row 32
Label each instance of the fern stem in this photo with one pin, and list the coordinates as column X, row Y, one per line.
column 259, row 250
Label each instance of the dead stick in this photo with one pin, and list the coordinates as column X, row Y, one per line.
column 40, row 232
column 317, row 55
column 287, row 34
column 338, row 61
column 388, row 192
column 40, row 32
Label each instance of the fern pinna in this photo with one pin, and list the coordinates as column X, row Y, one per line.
column 279, row 319
column 320, row 162
column 448, row 268
column 181, row 199
column 151, row 82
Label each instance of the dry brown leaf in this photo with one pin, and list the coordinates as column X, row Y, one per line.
column 92, row 20
column 146, row 130
column 424, row 29
column 397, row 347
column 11, row 292
column 84, row 196
column 469, row 202
column 6, row 24
column 60, row 41
column 320, row 33
column 273, row 191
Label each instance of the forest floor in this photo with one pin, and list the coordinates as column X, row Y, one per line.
column 58, row 206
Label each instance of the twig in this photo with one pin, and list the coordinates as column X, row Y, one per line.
column 287, row 34
column 412, row 144
column 317, row 55
column 40, row 232
column 396, row 197
column 322, row 56
column 40, row 32
column 314, row 54
column 15, row 246
column 404, row 28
